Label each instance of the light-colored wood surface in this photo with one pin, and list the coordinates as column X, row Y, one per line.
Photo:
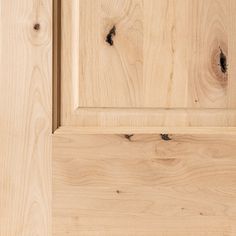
column 139, row 118
column 165, row 61
column 126, row 183
column 110, row 76
column 144, row 185
column 25, row 117
column 143, row 130
column 164, row 53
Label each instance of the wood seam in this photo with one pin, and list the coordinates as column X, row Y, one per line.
column 56, row 113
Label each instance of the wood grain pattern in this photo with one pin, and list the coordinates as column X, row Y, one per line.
column 165, row 58
column 139, row 118
column 143, row 130
column 25, row 119
column 170, row 57
column 208, row 85
column 118, row 67
column 144, row 185
column 165, row 54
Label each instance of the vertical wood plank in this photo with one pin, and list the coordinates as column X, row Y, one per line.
column 25, row 117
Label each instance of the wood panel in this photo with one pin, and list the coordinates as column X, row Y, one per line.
column 111, row 75
column 170, row 57
column 165, row 52
column 144, row 184
column 25, row 117
column 208, row 79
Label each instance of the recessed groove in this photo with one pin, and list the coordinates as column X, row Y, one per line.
column 56, row 81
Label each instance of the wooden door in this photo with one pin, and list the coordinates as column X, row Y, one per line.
column 147, row 141
column 118, row 118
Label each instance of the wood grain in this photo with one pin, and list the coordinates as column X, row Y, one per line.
column 208, row 85
column 112, row 77
column 141, row 118
column 143, row 130
column 165, row 58
column 175, row 58
column 25, row 119
column 144, row 185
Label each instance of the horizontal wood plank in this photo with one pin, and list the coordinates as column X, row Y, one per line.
column 144, row 184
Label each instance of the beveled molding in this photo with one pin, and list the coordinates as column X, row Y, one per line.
column 82, row 111
column 163, row 131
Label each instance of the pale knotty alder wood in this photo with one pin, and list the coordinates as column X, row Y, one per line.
column 25, row 117
column 148, row 63
column 143, row 185
column 143, row 130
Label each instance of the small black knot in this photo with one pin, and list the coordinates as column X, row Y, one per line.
column 223, row 62
column 165, row 137
column 118, row 191
column 129, row 136
column 37, row 26
column 109, row 38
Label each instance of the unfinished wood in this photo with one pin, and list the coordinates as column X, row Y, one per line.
column 25, row 119
column 110, row 75
column 167, row 56
column 208, row 79
column 144, row 185
column 118, row 117
column 143, row 130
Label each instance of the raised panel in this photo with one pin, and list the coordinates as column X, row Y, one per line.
column 152, row 53
column 121, row 58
